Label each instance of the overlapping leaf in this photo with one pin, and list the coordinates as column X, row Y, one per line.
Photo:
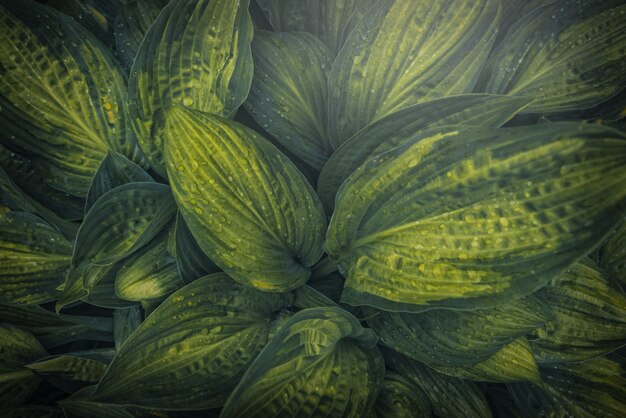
column 120, row 222
column 249, row 209
column 444, row 338
column 191, row 261
column 125, row 322
column 449, row 396
column 201, row 338
column 591, row 389
column 196, row 54
column 62, row 95
column 613, row 255
column 34, row 259
column 391, row 130
column 319, row 363
column 329, row 20
column 289, row 92
column 470, row 217
column 589, row 316
column 564, row 56
column 400, row 398
column 406, row 52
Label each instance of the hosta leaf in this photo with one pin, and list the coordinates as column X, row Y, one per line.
column 400, row 398
column 191, row 261
column 289, row 92
column 563, row 55
column 248, row 207
column 63, row 98
column 589, row 316
column 201, row 338
column 472, row 217
column 513, row 362
column 103, row 292
column 594, row 388
column 114, row 170
column 406, row 52
column 121, row 221
column 329, row 20
column 54, row 330
column 150, row 273
column 196, row 54
column 32, row 411
column 131, row 24
column 613, row 254
column 391, row 130
column 34, row 259
column 449, row 338
column 449, row 396
column 18, row 348
column 71, row 366
column 125, row 322
column 96, row 16
column 319, row 363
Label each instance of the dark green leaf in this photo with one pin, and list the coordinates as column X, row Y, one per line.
column 191, row 261
column 125, row 322
column 399, row 398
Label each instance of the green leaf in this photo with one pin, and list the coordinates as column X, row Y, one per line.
column 34, row 259
column 390, row 131
column 319, row 363
column 63, row 98
column 150, row 273
column 131, row 24
column 289, row 92
column 125, row 322
column 32, row 411
column 613, row 254
column 444, row 338
column 114, row 170
column 407, row 52
column 96, row 16
column 563, row 56
column 589, row 316
column 513, row 362
column 249, row 209
column 103, row 292
column 120, row 222
column 449, row 396
column 18, row 348
column 329, row 20
column 191, row 261
column 400, row 398
column 71, row 366
column 594, row 388
column 202, row 338
column 196, row 54
column 472, row 217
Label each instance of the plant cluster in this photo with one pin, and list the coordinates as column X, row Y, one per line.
column 303, row 208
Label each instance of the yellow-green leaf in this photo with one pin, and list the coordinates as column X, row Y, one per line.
column 473, row 217
column 202, row 338
column 289, row 92
column 247, row 206
column 319, row 363
column 399, row 398
column 406, row 52
column 563, row 55
column 34, row 259
column 196, row 54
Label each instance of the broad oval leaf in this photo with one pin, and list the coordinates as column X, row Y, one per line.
column 406, row 52
column 289, row 92
column 18, row 348
column 191, row 261
column 248, row 207
column 114, row 170
column 319, row 363
column 564, row 56
column 120, row 222
column 125, row 322
column 34, row 259
column 329, row 20
column 472, row 217
column 594, row 388
column 202, row 337
column 94, row 15
column 444, row 338
column 71, row 366
column 449, row 396
column 391, row 130
column 589, row 316
column 196, row 54
column 400, row 398
column 62, row 96
column 613, row 254
column 150, row 273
